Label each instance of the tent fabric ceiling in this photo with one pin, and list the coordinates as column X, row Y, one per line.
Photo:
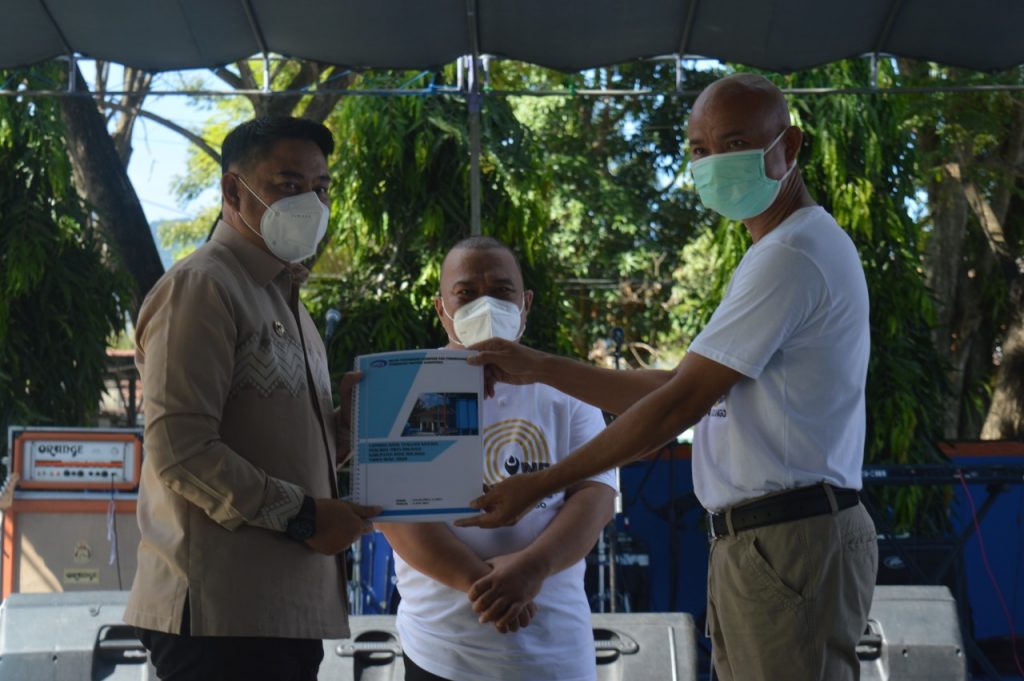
column 569, row 35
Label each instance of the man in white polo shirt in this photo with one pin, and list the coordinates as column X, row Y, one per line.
column 506, row 604
column 776, row 381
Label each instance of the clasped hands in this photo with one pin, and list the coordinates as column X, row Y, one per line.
column 504, row 595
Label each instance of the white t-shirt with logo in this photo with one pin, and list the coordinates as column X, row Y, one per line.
column 794, row 322
column 525, row 428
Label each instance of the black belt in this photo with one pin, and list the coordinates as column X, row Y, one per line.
column 802, row 502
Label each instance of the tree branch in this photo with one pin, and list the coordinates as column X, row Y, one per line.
column 307, row 73
column 136, row 82
column 228, row 77
column 285, row 106
column 991, row 226
column 170, row 125
column 102, row 68
column 248, row 79
column 102, row 180
column 277, row 68
column 636, row 355
column 260, row 103
column 322, row 105
column 1011, row 158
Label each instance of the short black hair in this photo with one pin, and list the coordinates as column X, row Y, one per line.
column 253, row 139
column 480, row 243
column 484, row 243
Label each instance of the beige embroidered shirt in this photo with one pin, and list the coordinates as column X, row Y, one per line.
column 239, row 426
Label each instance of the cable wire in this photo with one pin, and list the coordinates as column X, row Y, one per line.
column 988, row 569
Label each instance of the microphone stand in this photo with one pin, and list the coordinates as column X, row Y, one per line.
column 607, row 548
column 618, row 335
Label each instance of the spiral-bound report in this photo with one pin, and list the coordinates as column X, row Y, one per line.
column 417, row 441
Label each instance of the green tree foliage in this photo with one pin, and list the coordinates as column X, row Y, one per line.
column 970, row 146
column 593, row 188
column 621, row 211
column 203, row 169
column 595, row 194
column 59, row 301
column 401, row 199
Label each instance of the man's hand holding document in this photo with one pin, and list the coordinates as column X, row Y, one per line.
column 416, row 435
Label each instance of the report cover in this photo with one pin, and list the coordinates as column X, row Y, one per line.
column 416, row 434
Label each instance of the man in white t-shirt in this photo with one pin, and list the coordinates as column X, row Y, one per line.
column 776, row 381
column 506, row 603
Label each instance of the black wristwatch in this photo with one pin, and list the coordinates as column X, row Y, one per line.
column 302, row 526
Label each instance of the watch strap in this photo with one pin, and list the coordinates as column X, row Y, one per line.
column 302, row 525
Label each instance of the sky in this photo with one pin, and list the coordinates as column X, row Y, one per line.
column 159, row 156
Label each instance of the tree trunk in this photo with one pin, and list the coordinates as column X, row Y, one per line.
column 137, row 82
column 1005, row 418
column 976, row 336
column 103, row 181
column 977, row 239
column 944, row 265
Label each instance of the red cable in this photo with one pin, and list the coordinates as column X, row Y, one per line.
column 988, row 569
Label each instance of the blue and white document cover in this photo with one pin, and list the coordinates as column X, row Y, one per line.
column 416, row 435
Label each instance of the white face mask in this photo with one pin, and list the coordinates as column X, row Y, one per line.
column 293, row 226
column 484, row 318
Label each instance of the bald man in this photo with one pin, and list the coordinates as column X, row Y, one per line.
column 775, row 386
column 454, row 581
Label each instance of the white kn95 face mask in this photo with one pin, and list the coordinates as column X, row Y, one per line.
column 291, row 227
column 485, row 318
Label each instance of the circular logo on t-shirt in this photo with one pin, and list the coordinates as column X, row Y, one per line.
column 513, row 446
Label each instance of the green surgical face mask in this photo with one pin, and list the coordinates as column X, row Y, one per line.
column 735, row 184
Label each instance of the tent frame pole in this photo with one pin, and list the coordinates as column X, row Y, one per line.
column 474, row 104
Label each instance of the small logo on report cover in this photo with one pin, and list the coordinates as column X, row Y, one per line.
column 378, row 363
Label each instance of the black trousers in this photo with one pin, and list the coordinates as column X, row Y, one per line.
column 413, row 672
column 183, row 657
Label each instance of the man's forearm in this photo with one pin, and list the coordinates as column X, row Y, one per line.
column 191, row 461
column 655, row 419
column 608, row 389
column 432, row 549
column 573, row 532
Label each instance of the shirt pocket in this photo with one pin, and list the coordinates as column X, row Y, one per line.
column 267, row 363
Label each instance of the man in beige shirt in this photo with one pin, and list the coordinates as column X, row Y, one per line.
column 238, row 569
